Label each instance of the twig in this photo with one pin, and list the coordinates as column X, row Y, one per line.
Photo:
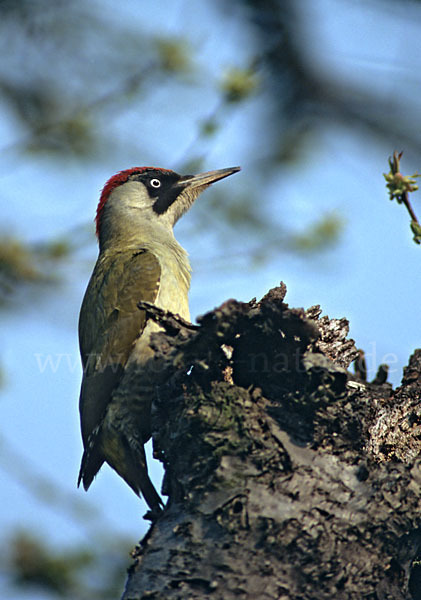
column 399, row 187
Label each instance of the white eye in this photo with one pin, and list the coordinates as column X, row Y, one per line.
column 155, row 183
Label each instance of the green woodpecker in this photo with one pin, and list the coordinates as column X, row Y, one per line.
column 139, row 259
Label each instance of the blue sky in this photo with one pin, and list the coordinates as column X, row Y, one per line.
column 372, row 277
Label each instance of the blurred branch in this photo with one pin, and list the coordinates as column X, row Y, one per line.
column 73, row 132
column 236, row 85
column 48, row 492
column 304, row 96
column 94, row 573
column 61, row 106
column 23, row 263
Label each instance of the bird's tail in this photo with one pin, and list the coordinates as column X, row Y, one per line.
column 126, row 455
column 92, row 461
column 134, row 470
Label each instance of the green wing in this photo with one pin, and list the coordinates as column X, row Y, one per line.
column 119, row 281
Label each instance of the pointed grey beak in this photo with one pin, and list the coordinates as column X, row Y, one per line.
column 207, row 178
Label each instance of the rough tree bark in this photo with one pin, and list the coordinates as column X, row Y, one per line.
column 287, row 476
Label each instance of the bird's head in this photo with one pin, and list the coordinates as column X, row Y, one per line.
column 148, row 197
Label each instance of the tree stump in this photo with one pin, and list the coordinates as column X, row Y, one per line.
column 287, row 477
